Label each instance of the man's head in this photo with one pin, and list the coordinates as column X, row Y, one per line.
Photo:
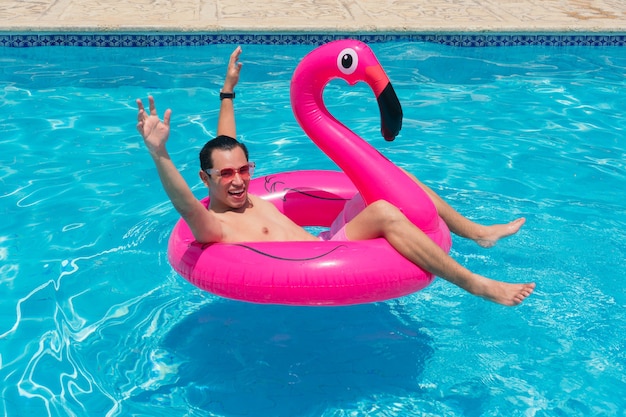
column 225, row 170
column 223, row 143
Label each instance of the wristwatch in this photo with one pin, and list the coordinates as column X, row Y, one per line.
column 227, row 95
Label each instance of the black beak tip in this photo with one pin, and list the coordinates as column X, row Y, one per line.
column 390, row 112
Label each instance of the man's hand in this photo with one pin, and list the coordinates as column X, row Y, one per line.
column 154, row 131
column 232, row 73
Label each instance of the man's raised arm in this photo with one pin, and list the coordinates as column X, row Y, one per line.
column 155, row 133
column 226, row 121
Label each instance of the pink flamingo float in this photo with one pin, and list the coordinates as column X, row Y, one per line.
column 324, row 272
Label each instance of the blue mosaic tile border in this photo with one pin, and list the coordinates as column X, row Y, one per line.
column 199, row 39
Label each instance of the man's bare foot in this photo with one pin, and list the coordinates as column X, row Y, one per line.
column 491, row 234
column 501, row 292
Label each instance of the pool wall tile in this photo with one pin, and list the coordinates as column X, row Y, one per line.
column 17, row 40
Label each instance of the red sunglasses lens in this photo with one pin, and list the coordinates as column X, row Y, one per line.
column 227, row 173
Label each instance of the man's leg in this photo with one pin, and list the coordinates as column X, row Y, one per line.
column 382, row 219
column 485, row 236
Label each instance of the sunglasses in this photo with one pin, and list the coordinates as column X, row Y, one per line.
column 228, row 174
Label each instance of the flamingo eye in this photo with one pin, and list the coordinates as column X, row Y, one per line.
column 347, row 61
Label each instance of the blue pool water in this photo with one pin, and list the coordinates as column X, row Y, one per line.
column 94, row 322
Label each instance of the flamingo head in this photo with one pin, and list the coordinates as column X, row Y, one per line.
column 352, row 61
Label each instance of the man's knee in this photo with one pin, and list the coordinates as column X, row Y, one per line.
column 385, row 211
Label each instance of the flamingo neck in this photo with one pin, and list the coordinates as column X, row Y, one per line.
column 372, row 173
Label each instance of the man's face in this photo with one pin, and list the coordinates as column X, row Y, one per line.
column 228, row 188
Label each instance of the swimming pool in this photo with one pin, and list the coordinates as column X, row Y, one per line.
column 94, row 321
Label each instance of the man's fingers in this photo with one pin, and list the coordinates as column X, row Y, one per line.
column 141, row 110
column 153, row 111
column 142, row 116
column 235, row 56
column 236, row 53
column 167, row 116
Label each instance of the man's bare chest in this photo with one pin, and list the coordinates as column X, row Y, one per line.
column 255, row 225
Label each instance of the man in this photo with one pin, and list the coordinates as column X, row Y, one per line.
column 234, row 215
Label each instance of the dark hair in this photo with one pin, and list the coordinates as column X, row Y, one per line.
column 222, row 142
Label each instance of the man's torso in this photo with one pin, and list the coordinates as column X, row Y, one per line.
column 260, row 222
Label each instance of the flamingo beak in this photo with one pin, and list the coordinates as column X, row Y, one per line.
column 390, row 113
column 388, row 103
